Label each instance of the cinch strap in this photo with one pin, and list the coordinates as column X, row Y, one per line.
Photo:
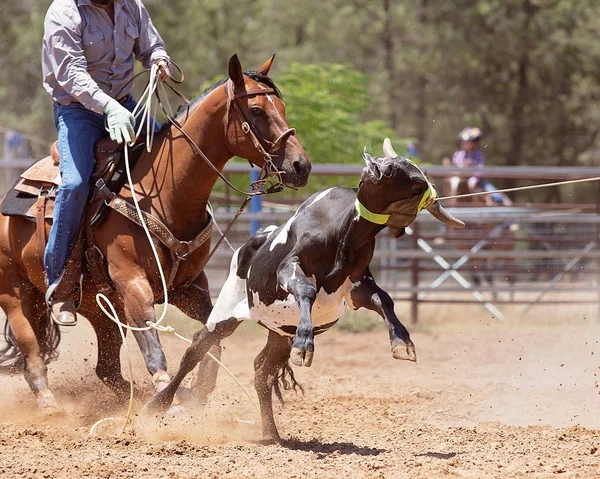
column 376, row 218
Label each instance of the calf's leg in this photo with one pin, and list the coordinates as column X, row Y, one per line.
column 202, row 342
column 267, row 365
column 291, row 277
column 368, row 295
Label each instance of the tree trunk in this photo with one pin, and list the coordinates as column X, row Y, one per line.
column 389, row 50
column 421, row 122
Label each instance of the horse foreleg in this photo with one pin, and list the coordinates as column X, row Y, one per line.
column 203, row 340
column 195, row 303
column 23, row 313
column 267, row 365
column 138, row 306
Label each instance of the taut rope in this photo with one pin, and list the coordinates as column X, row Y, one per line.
column 521, row 188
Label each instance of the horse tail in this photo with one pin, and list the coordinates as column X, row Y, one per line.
column 12, row 358
column 286, row 380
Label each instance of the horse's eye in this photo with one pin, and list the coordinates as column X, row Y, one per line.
column 256, row 112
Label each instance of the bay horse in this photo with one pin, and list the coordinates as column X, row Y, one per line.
column 242, row 115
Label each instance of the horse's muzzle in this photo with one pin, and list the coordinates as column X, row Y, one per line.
column 297, row 171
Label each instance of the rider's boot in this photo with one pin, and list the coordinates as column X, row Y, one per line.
column 59, row 296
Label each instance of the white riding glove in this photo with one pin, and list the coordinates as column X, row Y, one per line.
column 121, row 122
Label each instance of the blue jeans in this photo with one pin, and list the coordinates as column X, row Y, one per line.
column 496, row 197
column 78, row 131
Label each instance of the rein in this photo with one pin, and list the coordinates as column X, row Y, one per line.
column 263, row 185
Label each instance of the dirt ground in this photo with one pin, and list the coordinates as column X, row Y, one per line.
column 486, row 399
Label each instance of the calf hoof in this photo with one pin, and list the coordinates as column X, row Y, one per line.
column 405, row 351
column 299, row 357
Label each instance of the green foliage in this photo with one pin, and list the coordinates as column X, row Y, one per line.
column 325, row 103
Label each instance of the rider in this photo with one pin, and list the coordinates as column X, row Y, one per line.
column 470, row 156
column 87, row 63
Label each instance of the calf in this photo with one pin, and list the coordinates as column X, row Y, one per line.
column 296, row 279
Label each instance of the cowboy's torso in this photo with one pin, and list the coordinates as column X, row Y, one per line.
column 109, row 44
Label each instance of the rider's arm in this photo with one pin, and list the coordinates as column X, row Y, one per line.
column 458, row 159
column 63, row 57
column 149, row 47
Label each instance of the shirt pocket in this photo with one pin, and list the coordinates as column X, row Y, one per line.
column 132, row 33
column 93, row 44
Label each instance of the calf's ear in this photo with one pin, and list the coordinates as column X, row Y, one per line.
column 372, row 168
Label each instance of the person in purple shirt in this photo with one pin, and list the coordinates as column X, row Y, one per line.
column 470, row 156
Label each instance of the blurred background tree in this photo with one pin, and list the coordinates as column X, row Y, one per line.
column 525, row 71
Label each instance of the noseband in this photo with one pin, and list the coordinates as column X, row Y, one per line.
column 269, row 168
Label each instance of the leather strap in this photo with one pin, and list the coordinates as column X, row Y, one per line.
column 179, row 249
column 40, row 221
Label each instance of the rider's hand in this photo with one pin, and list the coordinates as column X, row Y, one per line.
column 121, row 122
column 163, row 69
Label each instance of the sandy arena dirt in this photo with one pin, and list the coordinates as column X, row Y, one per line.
column 486, row 399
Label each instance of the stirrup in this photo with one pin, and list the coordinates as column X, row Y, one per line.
column 50, row 312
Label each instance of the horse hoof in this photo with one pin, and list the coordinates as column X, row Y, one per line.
column 269, row 439
column 47, row 402
column 176, row 410
column 299, row 357
column 405, row 351
column 160, row 380
column 53, row 411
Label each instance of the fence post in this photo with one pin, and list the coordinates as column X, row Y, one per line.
column 255, row 203
column 414, row 276
column 598, row 261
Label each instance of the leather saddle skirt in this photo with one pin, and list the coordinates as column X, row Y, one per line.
column 43, row 178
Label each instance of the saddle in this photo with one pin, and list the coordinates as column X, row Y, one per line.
column 33, row 196
column 34, row 193
column 43, row 178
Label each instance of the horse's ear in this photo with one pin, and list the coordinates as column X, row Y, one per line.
column 266, row 66
column 235, row 71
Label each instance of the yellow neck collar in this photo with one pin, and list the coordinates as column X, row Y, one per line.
column 376, row 218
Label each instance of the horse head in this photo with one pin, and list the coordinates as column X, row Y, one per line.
column 257, row 128
column 397, row 190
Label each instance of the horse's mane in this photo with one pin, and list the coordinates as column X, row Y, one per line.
column 185, row 110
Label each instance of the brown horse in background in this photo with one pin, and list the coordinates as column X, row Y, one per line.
column 501, row 235
column 173, row 183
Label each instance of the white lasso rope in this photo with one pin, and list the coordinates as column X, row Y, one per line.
column 521, row 188
column 144, row 112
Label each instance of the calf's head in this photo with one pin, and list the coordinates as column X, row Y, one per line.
column 393, row 190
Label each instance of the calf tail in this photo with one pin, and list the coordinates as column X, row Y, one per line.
column 287, row 380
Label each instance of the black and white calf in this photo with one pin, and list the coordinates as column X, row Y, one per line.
column 296, row 279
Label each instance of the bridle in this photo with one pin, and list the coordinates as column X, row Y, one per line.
column 258, row 140
column 263, row 185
